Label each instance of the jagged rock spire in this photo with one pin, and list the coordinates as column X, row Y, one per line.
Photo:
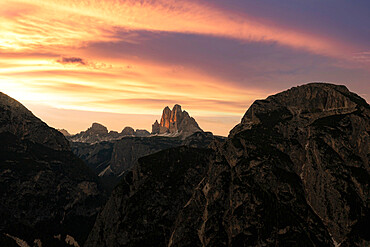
column 176, row 121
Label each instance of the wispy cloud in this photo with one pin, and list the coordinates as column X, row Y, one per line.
column 128, row 56
column 74, row 23
column 142, row 87
column 363, row 57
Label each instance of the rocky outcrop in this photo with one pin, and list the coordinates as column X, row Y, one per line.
column 202, row 140
column 176, row 122
column 97, row 129
column 64, row 132
column 295, row 170
column 142, row 133
column 156, row 128
column 45, row 190
column 95, row 133
column 128, row 131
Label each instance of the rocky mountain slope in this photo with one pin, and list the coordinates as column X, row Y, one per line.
column 48, row 196
column 98, row 133
column 111, row 158
column 295, row 171
column 64, row 132
column 109, row 154
column 141, row 209
column 17, row 120
column 176, row 123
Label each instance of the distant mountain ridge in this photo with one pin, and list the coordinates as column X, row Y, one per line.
column 175, row 123
column 110, row 154
column 98, row 133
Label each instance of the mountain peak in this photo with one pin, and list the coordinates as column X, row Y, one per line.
column 128, row 131
column 19, row 121
column 176, row 122
column 305, row 103
column 176, row 107
column 64, row 132
column 97, row 129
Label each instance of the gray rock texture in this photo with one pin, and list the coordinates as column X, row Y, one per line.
column 294, row 172
column 45, row 190
column 110, row 159
column 128, row 131
column 18, row 120
column 64, row 132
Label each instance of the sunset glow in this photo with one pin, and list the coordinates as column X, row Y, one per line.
column 121, row 62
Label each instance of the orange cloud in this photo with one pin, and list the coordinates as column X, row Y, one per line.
column 45, row 56
column 73, row 23
column 88, row 88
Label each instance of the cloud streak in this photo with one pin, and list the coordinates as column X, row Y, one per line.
column 74, row 23
column 71, row 60
column 142, row 87
column 129, row 56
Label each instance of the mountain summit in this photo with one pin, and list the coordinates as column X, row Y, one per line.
column 19, row 121
column 176, row 122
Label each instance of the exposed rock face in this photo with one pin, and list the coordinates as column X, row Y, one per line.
column 149, row 214
column 324, row 129
column 128, row 131
column 45, row 189
column 156, row 128
column 142, row 133
column 110, row 159
column 176, row 122
column 18, row 120
column 295, row 170
column 97, row 129
column 202, row 140
column 64, row 132
column 114, row 134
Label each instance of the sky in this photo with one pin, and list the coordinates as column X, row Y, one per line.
column 119, row 63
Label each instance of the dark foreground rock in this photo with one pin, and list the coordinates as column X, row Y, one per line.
column 294, row 172
column 142, row 208
column 47, row 194
column 18, row 120
column 110, row 159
